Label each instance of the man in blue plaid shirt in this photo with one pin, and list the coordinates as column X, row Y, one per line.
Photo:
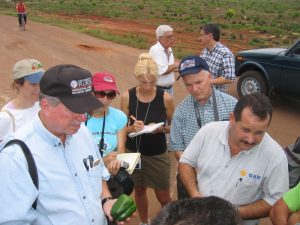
column 219, row 58
column 203, row 105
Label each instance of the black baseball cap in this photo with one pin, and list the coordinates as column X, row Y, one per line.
column 192, row 64
column 72, row 85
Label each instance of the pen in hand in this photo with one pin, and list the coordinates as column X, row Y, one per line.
column 138, row 125
column 132, row 117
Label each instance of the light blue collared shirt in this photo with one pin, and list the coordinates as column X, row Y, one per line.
column 68, row 194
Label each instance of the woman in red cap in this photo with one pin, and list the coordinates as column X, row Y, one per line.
column 108, row 125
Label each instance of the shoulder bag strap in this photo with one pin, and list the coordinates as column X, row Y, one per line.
column 30, row 161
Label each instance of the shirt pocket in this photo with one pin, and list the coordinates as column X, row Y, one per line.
column 95, row 179
column 247, row 191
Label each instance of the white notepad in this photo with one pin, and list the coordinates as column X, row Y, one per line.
column 147, row 129
column 131, row 158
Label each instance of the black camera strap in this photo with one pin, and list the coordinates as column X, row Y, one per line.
column 101, row 144
column 197, row 113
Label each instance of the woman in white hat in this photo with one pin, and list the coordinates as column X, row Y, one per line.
column 27, row 74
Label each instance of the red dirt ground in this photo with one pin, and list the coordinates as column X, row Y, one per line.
column 184, row 40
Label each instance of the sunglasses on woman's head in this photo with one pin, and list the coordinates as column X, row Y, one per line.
column 102, row 94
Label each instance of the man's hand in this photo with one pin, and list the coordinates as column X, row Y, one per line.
column 114, row 166
column 109, row 158
column 107, row 208
column 178, row 154
column 187, row 174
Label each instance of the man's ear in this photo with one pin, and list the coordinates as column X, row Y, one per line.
column 210, row 35
column 44, row 104
column 231, row 118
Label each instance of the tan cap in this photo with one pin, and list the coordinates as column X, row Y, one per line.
column 27, row 67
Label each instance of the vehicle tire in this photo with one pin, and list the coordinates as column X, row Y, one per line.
column 251, row 81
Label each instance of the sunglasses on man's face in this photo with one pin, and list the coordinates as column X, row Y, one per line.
column 102, row 94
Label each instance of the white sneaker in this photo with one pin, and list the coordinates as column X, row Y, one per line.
column 144, row 223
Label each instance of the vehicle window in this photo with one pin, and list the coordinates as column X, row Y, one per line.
column 297, row 51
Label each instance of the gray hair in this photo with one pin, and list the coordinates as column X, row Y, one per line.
column 54, row 101
column 162, row 29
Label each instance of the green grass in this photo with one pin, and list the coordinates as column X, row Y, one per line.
column 279, row 18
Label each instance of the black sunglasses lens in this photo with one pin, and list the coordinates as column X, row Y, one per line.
column 102, row 94
column 111, row 95
column 99, row 94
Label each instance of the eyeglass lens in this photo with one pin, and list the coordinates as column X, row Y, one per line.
column 102, row 94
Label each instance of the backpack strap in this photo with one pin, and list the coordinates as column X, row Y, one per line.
column 30, row 161
column 296, row 147
column 291, row 155
column 12, row 118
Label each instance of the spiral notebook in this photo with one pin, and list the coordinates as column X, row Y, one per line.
column 147, row 129
column 131, row 158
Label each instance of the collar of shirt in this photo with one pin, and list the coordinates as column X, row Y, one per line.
column 209, row 101
column 46, row 134
column 215, row 47
column 168, row 50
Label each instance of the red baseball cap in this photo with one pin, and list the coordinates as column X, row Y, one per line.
column 104, row 82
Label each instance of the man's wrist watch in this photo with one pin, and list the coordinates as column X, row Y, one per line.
column 104, row 200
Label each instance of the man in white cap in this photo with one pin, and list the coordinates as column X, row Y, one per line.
column 162, row 53
column 71, row 174
column 16, row 113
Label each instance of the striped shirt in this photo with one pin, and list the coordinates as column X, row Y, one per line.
column 184, row 124
column 221, row 63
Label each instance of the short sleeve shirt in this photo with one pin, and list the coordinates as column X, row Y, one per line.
column 19, row 118
column 241, row 179
column 115, row 121
column 221, row 63
column 163, row 61
column 184, row 124
column 292, row 198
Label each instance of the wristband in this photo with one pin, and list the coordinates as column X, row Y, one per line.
column 105, row 200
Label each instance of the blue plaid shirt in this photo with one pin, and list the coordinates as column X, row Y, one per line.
column 221, row 63
column 184, row 124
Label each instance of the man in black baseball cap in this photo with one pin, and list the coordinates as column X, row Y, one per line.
column 72, row 86
column 71, row 173
column 204, row 104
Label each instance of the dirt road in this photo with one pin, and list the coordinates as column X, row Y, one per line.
column 53, row 45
